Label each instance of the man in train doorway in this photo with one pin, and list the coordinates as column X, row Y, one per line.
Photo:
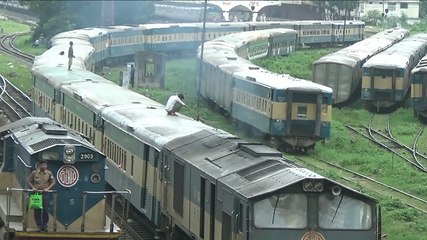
column 174, row 104
column 43, row 180
column 70, row 55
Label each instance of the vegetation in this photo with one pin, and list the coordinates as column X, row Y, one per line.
column 344, row 148
column 11, row 68
column 60, row 16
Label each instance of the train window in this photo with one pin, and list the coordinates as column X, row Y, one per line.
column 282, row 210
column 124, row 160
column 132, row 162
column 343, row 212
column 50, row 155
column 302, row 112
column 178, row 188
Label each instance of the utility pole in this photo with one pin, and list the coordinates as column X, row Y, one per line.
column 107, row 13
column 201, row 60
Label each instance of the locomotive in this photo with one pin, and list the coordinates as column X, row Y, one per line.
column 193, row 181
column 77, row 203
column 190, row 180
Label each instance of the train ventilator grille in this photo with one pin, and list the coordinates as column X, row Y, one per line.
column 51, row 142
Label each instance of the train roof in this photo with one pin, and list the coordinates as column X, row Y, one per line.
column 38, row 134
column 252, row 170
column 58, row 54
column 98, row 95
column 152, row 125
column 57, row 76
column 398, row 55
column 362, row 50
column 421, row 66
column 280, row 81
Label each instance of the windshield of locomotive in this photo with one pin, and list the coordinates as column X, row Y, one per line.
column 283, row 210
column 343, row 212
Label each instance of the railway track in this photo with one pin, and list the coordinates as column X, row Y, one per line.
column 390, row 143
column 7, row 46
column 133, row 227
column 14, row 103
column 356, row 179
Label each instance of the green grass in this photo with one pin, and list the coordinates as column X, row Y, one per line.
column 12, row 69
column 13, row 27
column 344, row 147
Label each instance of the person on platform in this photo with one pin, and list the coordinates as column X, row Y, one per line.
column 42, row 180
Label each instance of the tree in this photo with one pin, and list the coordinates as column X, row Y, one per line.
column 60, row 16
column 372, row 17
column 423, row 8
column 347, row 6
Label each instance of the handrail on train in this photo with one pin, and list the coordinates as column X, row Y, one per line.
column 113, row 194
column 24, row 205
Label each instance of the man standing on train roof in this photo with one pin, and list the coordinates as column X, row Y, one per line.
column 43, row 180
column 174, row 104
column 70, row 55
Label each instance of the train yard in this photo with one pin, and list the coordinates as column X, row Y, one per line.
column 351, row 177
column 16, row 105
column 392, row 145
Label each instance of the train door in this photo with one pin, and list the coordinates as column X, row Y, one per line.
column 237, row 219
column 337, row 33
column 58, row 108
column 98, row 131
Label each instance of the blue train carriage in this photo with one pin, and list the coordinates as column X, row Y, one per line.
column 418, row 89
column 342, row 70
column 254, row 26
column 180, row 39
column 385, row 79
column 297, row 112
column 354, row 31
column 314, row 33
column 115, row 42
column 77, row 204
column 220, row 187
column 266, row 43
column 216, row 30
column 187, row 11
column 226, row 55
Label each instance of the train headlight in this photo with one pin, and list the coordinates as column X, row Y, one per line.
column 69, row 160
column 312, row 185
column 69, row 155
column 307, row 186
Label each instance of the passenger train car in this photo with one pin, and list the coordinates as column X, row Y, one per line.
column 175, row 11
column 90, row 51
column 296, row 112
column 385, row 77
column 419, row 89
column 77, row 202
column 196, row 182
column 342, row 70
column 184, row 38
